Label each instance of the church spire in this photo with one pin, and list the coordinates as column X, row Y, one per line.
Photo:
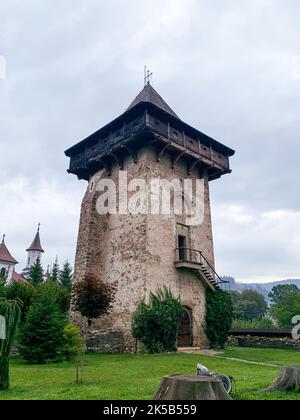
column 36, row 244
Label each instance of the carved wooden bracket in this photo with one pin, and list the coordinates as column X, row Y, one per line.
column 177, row 158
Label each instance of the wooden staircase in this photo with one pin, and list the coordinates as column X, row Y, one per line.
column 194, row 260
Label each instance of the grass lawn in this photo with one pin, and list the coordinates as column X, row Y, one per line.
column 136, row 377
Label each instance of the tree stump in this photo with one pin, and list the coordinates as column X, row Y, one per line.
column 288, row 380
column 190, row 388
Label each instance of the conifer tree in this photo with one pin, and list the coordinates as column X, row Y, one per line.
column 36, row 275
column 65, row 276
column 55, row 271
column 41, row 336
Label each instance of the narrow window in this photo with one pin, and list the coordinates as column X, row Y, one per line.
column 182, row 248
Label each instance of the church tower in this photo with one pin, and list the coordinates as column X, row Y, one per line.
column 140, row 253
column 35, row 252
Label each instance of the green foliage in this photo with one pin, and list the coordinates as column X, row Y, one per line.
column 277, row 294
column 156, row 325
column 249, row 305
column 54, row 276
column 36, row 275
column 92, row 298
column 65, row 276
column 41, row 337
column 219, row 317
column 11, row 311
column 2, row 287
column 73, row 343
column 61, row 296
column 24, row 292
column 259, row 324
column 286, row 306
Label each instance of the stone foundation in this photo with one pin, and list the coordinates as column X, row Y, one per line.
column 264, row 342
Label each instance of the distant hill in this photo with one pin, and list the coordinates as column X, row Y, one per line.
column 263, row 288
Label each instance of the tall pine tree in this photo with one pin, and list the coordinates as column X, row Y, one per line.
column 55, row 271
column 65, row 276
column 36, row 275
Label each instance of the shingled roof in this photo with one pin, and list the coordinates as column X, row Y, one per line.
column 5, row 255
column 36, row 244
column 149, row 94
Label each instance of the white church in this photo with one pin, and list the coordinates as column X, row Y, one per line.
column 8, row 262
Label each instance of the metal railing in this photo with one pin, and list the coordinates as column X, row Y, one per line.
column 195, row 256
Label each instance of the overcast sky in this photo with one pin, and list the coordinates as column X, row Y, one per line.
column 230, row 68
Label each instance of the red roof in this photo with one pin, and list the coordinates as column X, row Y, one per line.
column 36, row 244
column 5, row 255
column 18, row 277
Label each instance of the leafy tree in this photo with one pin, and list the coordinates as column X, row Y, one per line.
column 10, row 310
column 24, row 292
column 36, row 275
column 41, row 337
column 219, row 317
column 54, row 276
column 92, row 298
column 73, row 343
column 156, row 325
column 278, row 292
column 65, row 276
column 286, row 307
column 249, row 305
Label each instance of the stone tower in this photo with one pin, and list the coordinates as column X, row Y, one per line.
column 140, row 253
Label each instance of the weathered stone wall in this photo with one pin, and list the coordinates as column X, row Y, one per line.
column 264, row 342
column 137, row 254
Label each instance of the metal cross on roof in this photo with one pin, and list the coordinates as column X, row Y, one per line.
column 3, row 239
column 147, row 76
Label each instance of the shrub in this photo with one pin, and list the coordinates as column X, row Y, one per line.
column 219, row 317
column 156, row 325
column 264, row 324
column 73, row 343
column 92, row 298
column 41, row 337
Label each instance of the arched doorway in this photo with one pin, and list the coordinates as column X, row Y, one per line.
column 185, row 333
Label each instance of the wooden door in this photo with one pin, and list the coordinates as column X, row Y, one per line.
column 185, row 335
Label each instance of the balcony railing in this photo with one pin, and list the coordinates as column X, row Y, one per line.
column 196, row 257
